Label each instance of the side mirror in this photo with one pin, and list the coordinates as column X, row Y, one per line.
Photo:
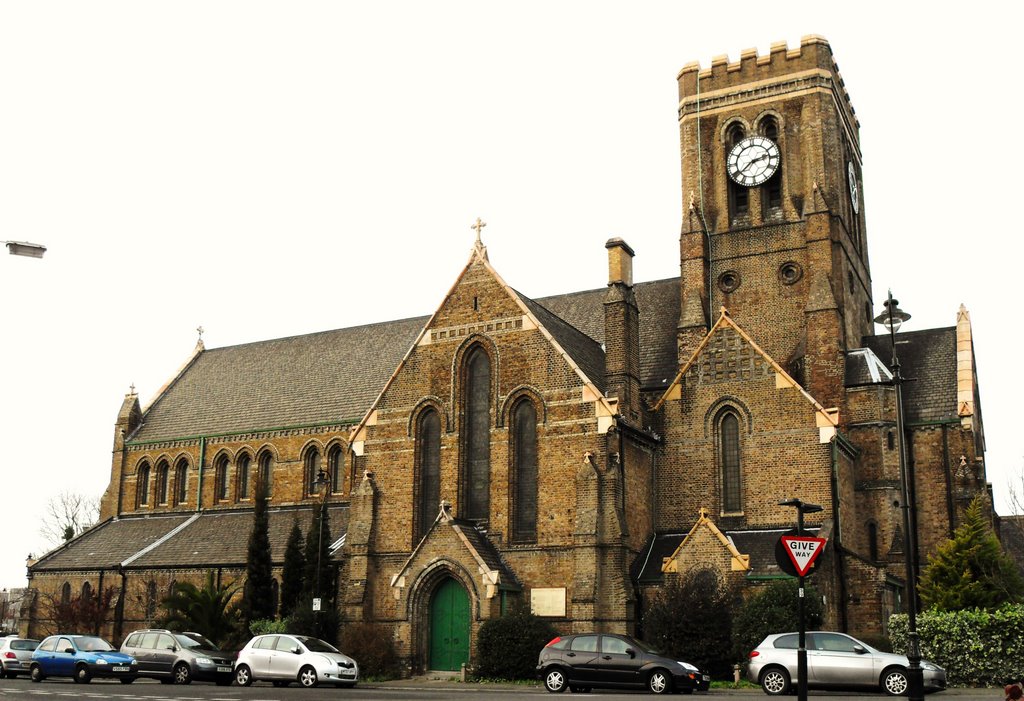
column 859, row 649
column 631, row 652
column 296, row 650
column 69, row 650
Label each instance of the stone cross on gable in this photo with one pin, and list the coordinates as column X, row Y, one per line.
column 478, row 226
column 200, row 329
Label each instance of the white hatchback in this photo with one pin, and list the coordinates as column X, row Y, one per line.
column 283, row 659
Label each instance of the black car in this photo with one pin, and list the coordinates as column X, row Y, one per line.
column 179, row 658
column 582, row 662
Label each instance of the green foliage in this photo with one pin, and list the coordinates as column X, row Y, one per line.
column 976, row 647
column 205, row 610
column 507, row 647
column 258, row 599
column 690, row 619
column 373, row 648
column 774, row 609
column 321, row 624
column 292, row 576
column 263, row 626
column 971, row 570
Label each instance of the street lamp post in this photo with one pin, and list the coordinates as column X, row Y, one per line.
column 802, row 507
column 323, row 481
column 24, row 248
column 892, row 318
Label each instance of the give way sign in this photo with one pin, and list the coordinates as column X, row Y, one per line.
column 803, row 550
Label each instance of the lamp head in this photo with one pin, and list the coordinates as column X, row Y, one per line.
column 24, row 248
column 893, row 317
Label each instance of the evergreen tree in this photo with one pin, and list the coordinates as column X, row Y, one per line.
column 293, row 575
column 258, row 601
column 205, row 610
column 691, row 619
column 971, row 571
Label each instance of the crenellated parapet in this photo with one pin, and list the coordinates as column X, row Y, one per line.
column 811, row 61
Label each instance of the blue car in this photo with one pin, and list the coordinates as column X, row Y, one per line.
column 81, row 657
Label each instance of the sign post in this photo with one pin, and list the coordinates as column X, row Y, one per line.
column 802, row 554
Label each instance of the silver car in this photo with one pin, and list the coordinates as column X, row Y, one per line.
column 15, row 655
column 834, row 660
column 283, row 659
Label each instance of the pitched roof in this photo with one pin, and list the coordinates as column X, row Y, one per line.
column 928, row 364
column 204, row 539
column 335, row 376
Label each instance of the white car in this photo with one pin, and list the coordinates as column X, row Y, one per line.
column 283, row 659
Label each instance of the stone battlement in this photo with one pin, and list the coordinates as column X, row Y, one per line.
column 813, row 53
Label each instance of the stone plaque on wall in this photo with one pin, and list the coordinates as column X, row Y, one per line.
column 548, row 602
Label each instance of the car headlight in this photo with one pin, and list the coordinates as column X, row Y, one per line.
column 688, row 667
column 204, row 661
column 100, row 660
column 930, row 666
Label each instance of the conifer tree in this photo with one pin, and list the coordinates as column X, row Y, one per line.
column 258, row 600
column 293, row 575
column 971, row 571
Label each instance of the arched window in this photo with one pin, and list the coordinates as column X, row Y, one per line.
column 150, row 600
column 428, row 466
column 336, row 465
column 243, row 464
column 220, row 480
column 771, row 192
column 312, row 463
column 163, row 480
column 86, row 590
column 873, row 541
column 729, row 456
column 524, row 470
column 739, row 195
column 266, row 483
column 142, row 484
column 476, row 435
column 65, row 593
column 181, row 481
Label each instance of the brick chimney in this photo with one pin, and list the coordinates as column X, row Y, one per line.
column 622, row 332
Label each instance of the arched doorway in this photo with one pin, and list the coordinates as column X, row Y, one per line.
column 449, row 626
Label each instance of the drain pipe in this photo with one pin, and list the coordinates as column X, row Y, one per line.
column 202, row 461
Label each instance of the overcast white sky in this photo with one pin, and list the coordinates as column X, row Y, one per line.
column 267, row 169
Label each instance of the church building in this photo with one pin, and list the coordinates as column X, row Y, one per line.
column 577, row 452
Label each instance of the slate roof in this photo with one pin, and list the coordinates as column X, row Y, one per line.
column 758, row 544
column 486, row 550
column 334, row 376
column 109, row 543
column 214, row 538
column 928, row 363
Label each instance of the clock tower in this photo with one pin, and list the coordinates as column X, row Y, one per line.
column 773, row 223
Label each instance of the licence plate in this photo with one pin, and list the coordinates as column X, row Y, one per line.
column 120, row 669
column 223, row 669
column 706, row 677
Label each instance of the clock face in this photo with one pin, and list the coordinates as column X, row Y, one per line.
column 854, row 191
column 752, row 161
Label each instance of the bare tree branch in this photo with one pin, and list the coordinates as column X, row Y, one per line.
column 67, row 515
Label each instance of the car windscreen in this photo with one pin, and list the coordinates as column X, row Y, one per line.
column 24, row 644
column 194, row 641
column 91, row 644
column 650, row 650
column 316, row 645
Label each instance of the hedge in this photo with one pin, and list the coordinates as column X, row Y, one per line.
column 977, row 648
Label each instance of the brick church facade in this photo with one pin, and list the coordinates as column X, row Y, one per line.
column 577, row 451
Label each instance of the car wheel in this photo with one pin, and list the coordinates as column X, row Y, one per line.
column 554, row 680
column 894, row 681
column 243, row 675
column 35, row 673
column 775, row 681
column 182, row 674
column 82, row 674
column 659, row 682
column 307, row 677
column 127, row 680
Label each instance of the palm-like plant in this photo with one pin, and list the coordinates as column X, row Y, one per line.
column 206, row 610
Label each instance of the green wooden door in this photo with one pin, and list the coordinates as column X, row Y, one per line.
column 449, row 626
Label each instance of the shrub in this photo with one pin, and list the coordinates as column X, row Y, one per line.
column 372, row 647
column 507, row 647
column 690, row 619
column 321, row 624
column 775, row 609
column 262, row 626
column 976, row 647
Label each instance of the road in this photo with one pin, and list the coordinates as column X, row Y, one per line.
column 146, row 690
